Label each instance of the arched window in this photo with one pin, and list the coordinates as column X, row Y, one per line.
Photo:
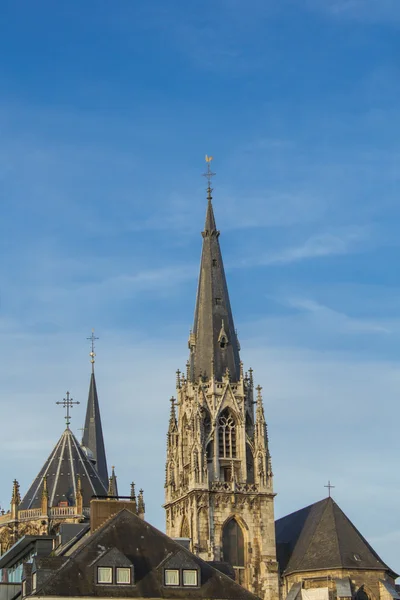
column 249, row 464
column 185, row 449
column 185, row 532
column 233, row 544
column 227, row 435
column 362, row 594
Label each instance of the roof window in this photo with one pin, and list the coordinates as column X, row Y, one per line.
column 190, row 577
column 171, row 576
column 104, row 575
column 123, row 575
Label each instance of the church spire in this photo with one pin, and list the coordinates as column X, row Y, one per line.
column 93, row 433
column 213, row 342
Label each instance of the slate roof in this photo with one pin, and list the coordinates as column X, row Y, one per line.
column 93, row 432
column 148, row 550
column 66, row 462
column 320, row 536
column 213, row 314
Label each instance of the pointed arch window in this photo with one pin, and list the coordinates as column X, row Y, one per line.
column 227, row 435
column 233, row 544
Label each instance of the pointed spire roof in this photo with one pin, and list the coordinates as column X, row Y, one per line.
column 213, row 342
column 320, row 536
column 93, row 432
column 112, row 484
column 60, row 474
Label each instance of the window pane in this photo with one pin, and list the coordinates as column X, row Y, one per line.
column 233, row 544
column 171, row 577
column 123, row 575
column 189, row 577
column 34, row 582
column 104, row 575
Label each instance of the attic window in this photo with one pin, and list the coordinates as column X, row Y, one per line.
column 223, row 342
column 357, row 557
column 214, row 262
column 104, row 575
column 218, row 301
column 123, row 575
column 171, row 577
column 189, row 577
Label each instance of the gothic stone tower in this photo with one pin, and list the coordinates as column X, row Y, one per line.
column 218, row 489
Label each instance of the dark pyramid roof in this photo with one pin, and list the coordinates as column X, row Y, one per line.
column 66, row 462
column 320, row 536
column 213, row 315
column 93, row 432
column 149, row 551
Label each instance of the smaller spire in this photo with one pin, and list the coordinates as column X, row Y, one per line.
column 92, row 353
column 172, row 414
column 15, row 500
column 79, row 496
column 16, row 496
column 259, row 396
column 141, row 505
column 112, row 484
column 45, row 490
column 133, row 497
column 178, row 378
column 45, row 497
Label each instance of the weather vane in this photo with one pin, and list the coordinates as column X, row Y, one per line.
column 92, row 354
column 68, row 403
column 209, row 174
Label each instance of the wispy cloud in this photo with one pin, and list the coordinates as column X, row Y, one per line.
column 369, row 10
column 316, row 246
column 341, row 322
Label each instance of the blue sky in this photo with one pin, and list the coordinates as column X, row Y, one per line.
column 106, row 114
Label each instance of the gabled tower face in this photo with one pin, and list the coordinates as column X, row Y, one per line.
column 218, row 488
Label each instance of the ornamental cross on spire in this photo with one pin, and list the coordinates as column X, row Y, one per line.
column 330, row 487
column 209, row 174
column 92, row 353
column 68, row 403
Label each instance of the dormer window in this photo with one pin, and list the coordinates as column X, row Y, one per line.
column 171, row 576
column 190, row 577
column 120, row 573
column 180, row 570
column 123, row 575
column 215, row 262
column 222, row 342
column 104, row 575
column 218, row 301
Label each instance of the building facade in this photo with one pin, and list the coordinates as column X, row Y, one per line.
column 219, row 484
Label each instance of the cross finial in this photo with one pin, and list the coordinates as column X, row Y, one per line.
column 209, row 174
column 329, row 486
column 92, row 354
column 68, row 403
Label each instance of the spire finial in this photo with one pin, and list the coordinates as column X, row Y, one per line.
column 209, row 174
column 330, row 487
column 92, row 353
column 68, row 403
